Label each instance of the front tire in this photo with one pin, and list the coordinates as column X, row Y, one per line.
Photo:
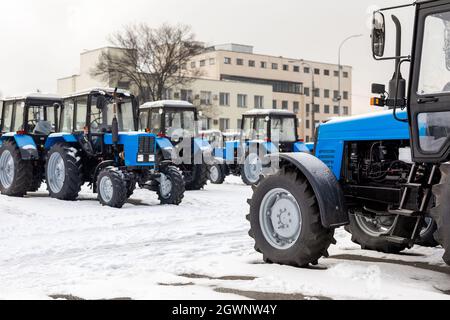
column 216, row 174
column 252, row 169
column 171, row 186
column 63, row 172
column 15, row 174
column 197, row 178
column 285, row 221
column 112, row 188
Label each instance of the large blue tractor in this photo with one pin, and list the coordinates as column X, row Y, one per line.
column 381, row 175
column 175, row 124
column 263, row 132
column 98, row 143
column 25, row 125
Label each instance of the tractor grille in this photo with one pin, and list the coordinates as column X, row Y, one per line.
column 146, row 148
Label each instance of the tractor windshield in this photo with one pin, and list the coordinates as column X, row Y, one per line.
column 41, row 120
column 283, row 129
column 102, row 118
column 180, row 122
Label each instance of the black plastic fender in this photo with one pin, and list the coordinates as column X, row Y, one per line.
column 326, row 187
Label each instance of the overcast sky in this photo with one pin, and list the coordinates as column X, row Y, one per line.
column 40, row 41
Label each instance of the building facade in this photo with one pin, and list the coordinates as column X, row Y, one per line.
column 291, row 80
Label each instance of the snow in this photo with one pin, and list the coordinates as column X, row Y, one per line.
column 198, row 250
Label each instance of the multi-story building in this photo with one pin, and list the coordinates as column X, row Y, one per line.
column 291, row 80
column 234, row 80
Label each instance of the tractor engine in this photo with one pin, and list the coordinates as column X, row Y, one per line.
column 378, row 163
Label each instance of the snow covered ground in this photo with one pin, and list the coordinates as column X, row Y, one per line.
column 199, row 250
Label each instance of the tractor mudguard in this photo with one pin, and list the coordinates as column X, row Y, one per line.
column 59, row 137
column 25, row 143
column 166, row 147
column 327, row 189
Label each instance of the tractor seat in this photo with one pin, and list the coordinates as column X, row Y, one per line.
column 43, row 128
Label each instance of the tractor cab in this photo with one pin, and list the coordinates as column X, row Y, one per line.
column 271, row 126
column 31, row 118
column 174, row 120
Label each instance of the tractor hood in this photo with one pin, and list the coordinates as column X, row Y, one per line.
column 373, row 126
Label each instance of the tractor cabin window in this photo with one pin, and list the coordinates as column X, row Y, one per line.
column 7, row 116
column 67, row 116
column 283, row 129
column 434, row 128
column 18, row 121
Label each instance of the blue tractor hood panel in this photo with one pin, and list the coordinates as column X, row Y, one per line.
column 130, row 142
column 369, row 127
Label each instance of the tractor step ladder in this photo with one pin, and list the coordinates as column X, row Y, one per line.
column 411, row 218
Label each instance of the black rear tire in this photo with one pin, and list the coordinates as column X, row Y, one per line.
column 371, row 242
column 118, row 187
column 441, row 212
column 178, row 188
column 426, row 238
column 73, row 172
column 22, row 171
column 314, row 239
column 197, row 178
column 131, row 186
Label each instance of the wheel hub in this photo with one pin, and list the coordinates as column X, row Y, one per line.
column 106, row 189
column 6, row 169
column 214, row 173
column 56, row 172
column 165, row 185
column 280, row 219
column 253, row 168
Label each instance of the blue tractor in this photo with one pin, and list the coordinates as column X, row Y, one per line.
column 98, row 143
column 25, row 125
column 175, row 124
column 263, row 132
column 382, row 175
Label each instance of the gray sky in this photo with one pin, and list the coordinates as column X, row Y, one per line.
column 41, row 40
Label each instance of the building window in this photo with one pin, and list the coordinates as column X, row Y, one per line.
column 285, row 105
column 224, row 124
column 316, row 108
column 277, row 85
column 259, row 102
column 306, row 70
column 317, row 71
column 224, row 99
column 345, row 95
column 317, row 92
column 239, row 124
column 336, row 73
column 296, row 107
column 186, row 95
column 285, row 67
column 193, row 64
column 263, row 65
column 336, row 110
column 307, row 108
column 212, row 61
column 202, row 63
column 326, row 93
column 308, row 124
column 242, row 100
column 274, row 104
column 345, row 111
column 306, row 91
column 336, row 94
column 345, row 74
column 183, row 66
column 326, row 72
column 227, row 60
column 251, row 63
column 240, row 62
column 296, row 69
column 206, row 98
column 326, row 109
column 275, row 66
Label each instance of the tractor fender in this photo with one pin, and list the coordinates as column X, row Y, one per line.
column 59, row 137
column 166, row 147
column 328, row 191
column 25, row 143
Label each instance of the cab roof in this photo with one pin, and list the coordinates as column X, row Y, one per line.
column 98, row 91
column 269, row 112
column 37, row 98
column 167, row 103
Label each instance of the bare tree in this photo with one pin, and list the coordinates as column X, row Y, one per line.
column 151, row 59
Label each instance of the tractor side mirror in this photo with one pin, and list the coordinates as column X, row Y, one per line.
column 378, row 88
column 102, row 102
column 378, row 34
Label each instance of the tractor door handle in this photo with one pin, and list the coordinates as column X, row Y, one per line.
column 427, row 100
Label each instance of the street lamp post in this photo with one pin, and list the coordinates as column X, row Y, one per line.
column 339, row 98
column 313, row 95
